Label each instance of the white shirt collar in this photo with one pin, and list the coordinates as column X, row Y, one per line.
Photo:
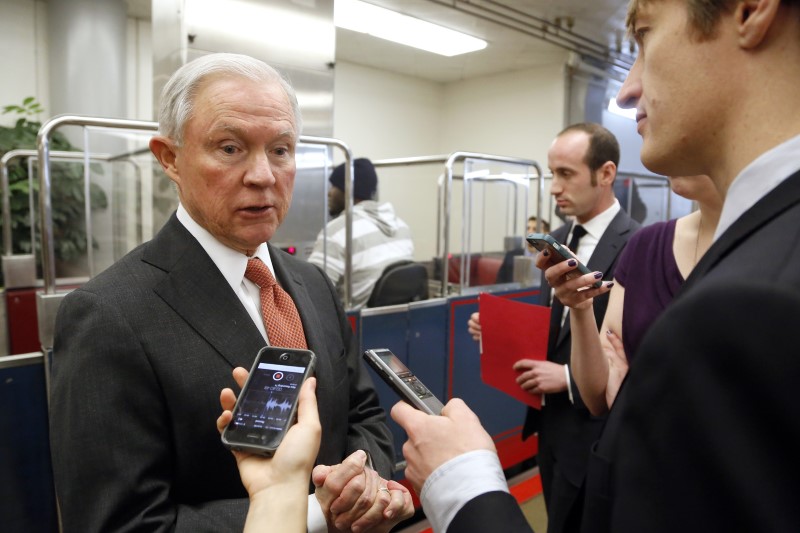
column 597, row 226
column 757, row 179
column 230, row 262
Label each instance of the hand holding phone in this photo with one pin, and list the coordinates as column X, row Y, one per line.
column 402, row 380
column 558, row 252
column 267, row 405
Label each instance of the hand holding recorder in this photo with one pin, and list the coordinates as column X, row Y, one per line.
column 434, row 440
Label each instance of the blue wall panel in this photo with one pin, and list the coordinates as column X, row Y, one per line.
column 27, row 499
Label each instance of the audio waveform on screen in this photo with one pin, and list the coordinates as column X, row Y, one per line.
column 283, row 405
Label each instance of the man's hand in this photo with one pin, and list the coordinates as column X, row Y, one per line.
column 474, row 326
column 434, row 440
column 353, row 497
column 541, row 377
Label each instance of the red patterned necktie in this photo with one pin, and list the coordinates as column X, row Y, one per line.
column 281, row 319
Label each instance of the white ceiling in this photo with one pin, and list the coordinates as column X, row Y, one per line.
column 517, row 31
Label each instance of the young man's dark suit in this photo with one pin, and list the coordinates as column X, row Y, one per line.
column 566, row 429
column 705, row 432
column 141, row 354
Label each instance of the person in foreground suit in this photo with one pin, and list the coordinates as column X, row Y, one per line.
column 703, row 435
column 143, row 349
column 583, row 159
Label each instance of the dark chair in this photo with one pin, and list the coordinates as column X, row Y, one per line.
column 400, row 283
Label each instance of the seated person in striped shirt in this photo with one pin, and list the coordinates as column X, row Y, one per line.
column 380, row 237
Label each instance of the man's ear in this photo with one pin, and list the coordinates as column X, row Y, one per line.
column 753, row 19
column 607, row 173
column 163, row 149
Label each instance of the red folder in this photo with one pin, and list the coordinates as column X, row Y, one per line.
column 511, row 331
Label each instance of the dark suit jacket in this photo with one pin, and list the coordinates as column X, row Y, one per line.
column 567, row 429
column 496, row 512
column 704, row 434
column 141, row 354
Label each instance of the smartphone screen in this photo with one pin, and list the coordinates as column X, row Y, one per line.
column 267, row 405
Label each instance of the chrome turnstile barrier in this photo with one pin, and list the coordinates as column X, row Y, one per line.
column 348, row 211
column 19, row 270
column 444, row 203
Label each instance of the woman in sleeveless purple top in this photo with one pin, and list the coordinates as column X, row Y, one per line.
column 650, row 272
column 655, row 286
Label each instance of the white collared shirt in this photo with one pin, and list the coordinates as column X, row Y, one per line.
column 594, row 231
column 757, row 179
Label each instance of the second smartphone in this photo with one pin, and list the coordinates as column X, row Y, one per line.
column 267, row 405
column 402, row 380
column 558, row 252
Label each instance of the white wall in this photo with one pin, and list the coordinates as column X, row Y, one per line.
column 383, row 115
column 514, row 114
column 23, row 47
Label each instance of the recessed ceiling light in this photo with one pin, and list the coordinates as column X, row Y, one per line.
column 362, row 17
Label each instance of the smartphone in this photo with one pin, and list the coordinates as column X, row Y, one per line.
column 402, row 380
column 558, row 252
column 267, row 406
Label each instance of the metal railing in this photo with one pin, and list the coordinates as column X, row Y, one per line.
column 445, row 189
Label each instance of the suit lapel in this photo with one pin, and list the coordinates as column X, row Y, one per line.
column 783, row 197
column 197, row 291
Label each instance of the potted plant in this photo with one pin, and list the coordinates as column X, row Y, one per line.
column 67, row 190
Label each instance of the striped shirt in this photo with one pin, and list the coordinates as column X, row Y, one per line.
column 380, row 238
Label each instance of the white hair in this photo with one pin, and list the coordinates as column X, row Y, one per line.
column 177, row 97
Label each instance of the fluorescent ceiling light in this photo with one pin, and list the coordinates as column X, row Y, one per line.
column 379, row 22
column 617, row 110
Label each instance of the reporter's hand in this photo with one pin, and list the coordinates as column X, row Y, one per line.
column 294, row 458
column 474, row 326
column 572, row 288
column 434, row 440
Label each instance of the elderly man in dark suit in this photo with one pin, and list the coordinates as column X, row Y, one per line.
column 704, row 433
column 143, row 349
